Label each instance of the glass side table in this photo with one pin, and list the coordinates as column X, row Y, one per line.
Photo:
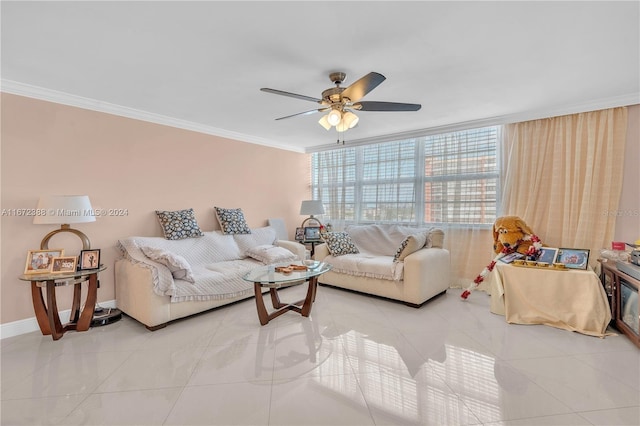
column 47, row 314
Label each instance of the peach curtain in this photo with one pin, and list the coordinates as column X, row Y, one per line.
column 563, row 176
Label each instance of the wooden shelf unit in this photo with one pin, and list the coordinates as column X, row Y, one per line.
column 620, row 289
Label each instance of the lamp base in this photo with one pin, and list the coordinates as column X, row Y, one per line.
column 105, row 316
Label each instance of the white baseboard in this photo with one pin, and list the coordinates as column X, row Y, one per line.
column 28, row 325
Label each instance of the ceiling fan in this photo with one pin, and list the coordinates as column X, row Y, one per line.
column 341, row 102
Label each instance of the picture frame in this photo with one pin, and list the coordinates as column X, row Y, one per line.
column 299, row 234
column 511, row 257
column 573, row 258
column 548, row 255
column 312, row 233
column 89, row 259
column 40, row 261
column 64, row 264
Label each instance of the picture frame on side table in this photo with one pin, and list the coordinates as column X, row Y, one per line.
column 312, row 233
column 299, row 234
column 40, row 261
column 89, row 259
column 511, row 257
column 64, row 265
column 573, row 258
column 548, row 255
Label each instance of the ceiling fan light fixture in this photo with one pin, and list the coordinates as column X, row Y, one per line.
column 324, row 122
column 342, row 126
column 350, row 120
column 334, row 117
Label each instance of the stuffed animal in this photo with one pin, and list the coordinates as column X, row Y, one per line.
column 510, row 234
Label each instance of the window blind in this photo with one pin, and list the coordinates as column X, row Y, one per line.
column 448, row 178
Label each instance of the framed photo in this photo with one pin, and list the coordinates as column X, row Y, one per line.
column 573, row 258
column 64, row 264
column 89, row 259
column 299, row 234
column 40, row 261
column 312, row 233
column 511, row 257
column 548, row 255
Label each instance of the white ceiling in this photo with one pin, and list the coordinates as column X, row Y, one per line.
column 200, row 65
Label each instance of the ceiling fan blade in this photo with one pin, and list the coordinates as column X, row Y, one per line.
column 292, row 95
column 360, row 88
column 313, row 111
column 385, row 106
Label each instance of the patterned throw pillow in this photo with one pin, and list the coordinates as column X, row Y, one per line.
column 340, row 243
column 232, row 221
column 179, row 225
column 411, row 244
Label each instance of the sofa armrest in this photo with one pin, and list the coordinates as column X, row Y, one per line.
column 321, row 251
column 293, row 246
column 427, row 273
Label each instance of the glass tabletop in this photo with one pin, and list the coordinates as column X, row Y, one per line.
column 266, row 275
column 61, row 276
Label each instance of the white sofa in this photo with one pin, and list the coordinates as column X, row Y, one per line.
column 153, row 277
column 419, row 273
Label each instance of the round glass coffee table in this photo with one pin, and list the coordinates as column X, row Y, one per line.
column 267, row 276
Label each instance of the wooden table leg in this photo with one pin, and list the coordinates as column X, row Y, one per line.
column 311, row 295
column 75, row 306
column 275, row 299
column 40, row 308
column 84, row 322
column 52, row 311
column 263, row 316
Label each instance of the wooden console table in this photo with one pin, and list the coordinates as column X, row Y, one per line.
column 47, row 314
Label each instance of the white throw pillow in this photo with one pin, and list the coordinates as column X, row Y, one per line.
column 269, row 254
column 177, row 264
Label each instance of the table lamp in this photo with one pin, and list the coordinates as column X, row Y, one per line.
column 64, row 210
column 311, row 207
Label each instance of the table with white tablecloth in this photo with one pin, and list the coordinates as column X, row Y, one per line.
column 569, row 299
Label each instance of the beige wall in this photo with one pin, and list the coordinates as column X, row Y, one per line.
column 49, row 148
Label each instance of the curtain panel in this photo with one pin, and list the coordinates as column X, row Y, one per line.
column 563, row 176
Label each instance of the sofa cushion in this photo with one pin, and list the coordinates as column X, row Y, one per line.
column 367, row 265
column 436, row 238
column 232, row 221
column 177, row 264
column 340, row 243
column 411, row 244
column 257, row 237
column 178, row 225
column 269, row 254
column 377, row 239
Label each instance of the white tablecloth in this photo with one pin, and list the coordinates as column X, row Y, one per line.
column 572, row 300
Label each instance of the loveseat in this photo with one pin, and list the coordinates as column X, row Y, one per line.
column 401, row 263
column 159, row 280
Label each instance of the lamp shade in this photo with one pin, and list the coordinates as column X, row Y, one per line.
column 311, row 207
column 324, row 122
column 334, row 117
column 64, row 209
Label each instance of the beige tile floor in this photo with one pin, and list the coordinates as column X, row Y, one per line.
column 358, row 360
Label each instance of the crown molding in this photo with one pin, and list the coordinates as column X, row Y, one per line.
column 594, row 105
column 30, row 91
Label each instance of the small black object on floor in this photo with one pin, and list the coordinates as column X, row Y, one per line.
column 105, row 316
